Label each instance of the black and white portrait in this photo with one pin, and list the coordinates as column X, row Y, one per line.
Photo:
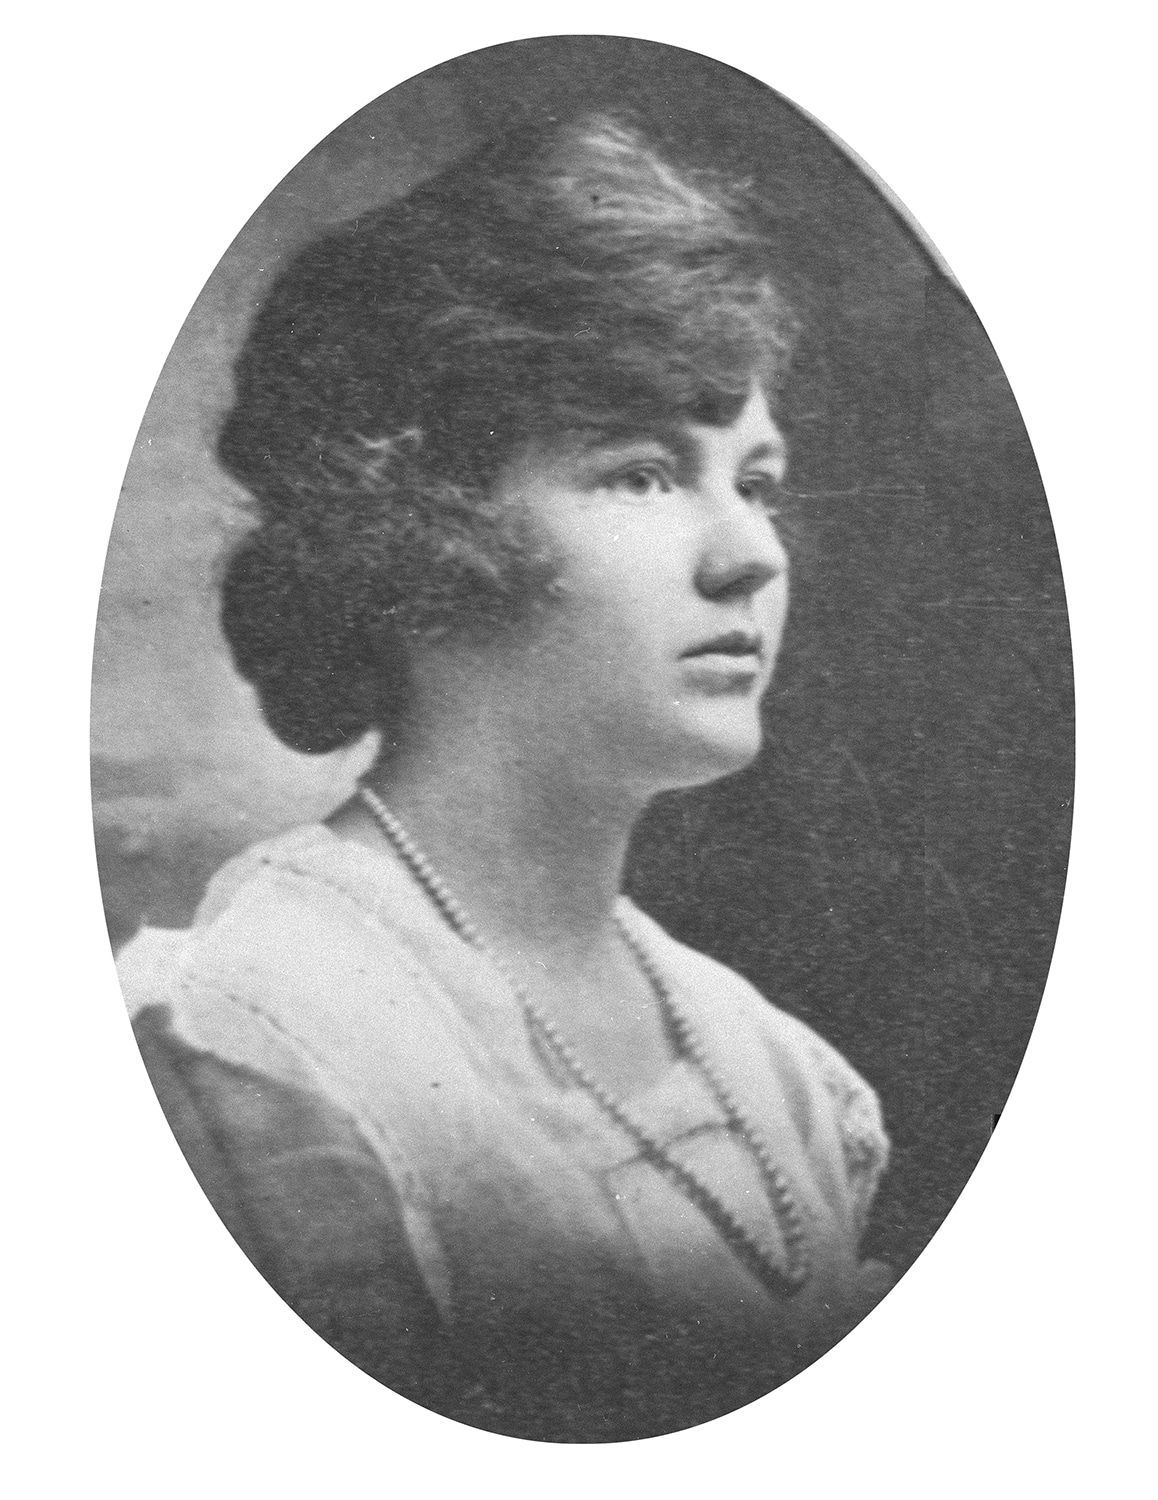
column 582, row 740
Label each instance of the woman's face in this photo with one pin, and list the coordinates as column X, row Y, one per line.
column 649, row 661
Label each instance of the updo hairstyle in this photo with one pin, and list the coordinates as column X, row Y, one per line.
column 549, row 285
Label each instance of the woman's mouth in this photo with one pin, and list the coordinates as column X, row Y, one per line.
column 726, row 664
column 738, row 646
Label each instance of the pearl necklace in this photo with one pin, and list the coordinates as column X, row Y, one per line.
column 781, row 1281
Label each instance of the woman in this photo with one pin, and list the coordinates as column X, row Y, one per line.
column 514, row 455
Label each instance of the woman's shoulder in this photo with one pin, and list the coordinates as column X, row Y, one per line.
column 288, row 910
column 308, row 864
column 284, row 937
column 251, row 1023
column 317, row 961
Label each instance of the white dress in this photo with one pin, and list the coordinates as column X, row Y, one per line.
column 363, row 1101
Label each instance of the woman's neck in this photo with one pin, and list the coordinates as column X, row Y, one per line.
column 532, row 850
column 531, row 839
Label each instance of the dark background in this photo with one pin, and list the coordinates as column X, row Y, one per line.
column 892, row 868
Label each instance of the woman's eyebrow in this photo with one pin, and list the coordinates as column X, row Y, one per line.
column 599, row 448
column 613, row 441
column 777, row 452
column 674, row 441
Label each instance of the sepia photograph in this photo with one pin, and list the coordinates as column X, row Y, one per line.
column 582, row 739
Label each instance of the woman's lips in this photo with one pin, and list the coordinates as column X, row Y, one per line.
column 733, row 645
column 729, row 663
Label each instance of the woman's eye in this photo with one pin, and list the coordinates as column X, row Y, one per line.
column 761, row 489
column 640, row 480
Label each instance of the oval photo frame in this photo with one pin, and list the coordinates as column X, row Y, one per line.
column 888, row 871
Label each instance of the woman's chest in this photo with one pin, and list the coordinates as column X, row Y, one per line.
column 563, row 1205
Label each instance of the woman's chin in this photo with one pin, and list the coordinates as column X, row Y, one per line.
column 669, row 754
column 717, row 756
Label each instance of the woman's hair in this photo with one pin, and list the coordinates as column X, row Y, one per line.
column 554, row 283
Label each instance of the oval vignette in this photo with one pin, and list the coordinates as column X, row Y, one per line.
column 889, row 870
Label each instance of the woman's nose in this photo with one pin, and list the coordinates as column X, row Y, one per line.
column 742, row 552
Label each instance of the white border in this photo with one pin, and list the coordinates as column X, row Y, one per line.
column 1005, row 1362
